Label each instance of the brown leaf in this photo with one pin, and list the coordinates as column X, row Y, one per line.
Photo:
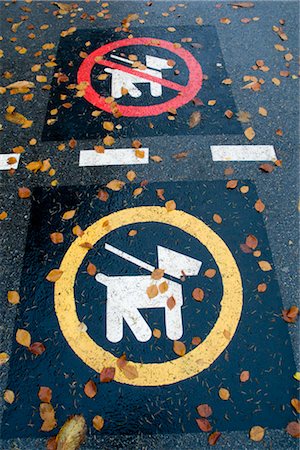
column 210, row 273
column 86, row 245
column 267, row 168
column 249, row 133
column 90, row 389
column 180, row 155
column 57, row 238
column 170, row 205
column 251, row 241
column 259, row 206
column 91, row 269
column 160, row 194
column 23, row 337
column 37, row 348
column 103, row 195
column 204, row 425
column 214, row 437
column 136, row 144
column 244, row 376
column 48, row 416
column 115, row 185
column 245, row 248
column 107, row 374
column 45, row 394
column 152, row 291
column 243, row 116
column 265, row 266
column 194, row 119
column 224, row 394
column 98, row 423
column 204, row 410
column 293, row 429
column 72, row 434
column 257, row 433
column 217, row 218
column 198, row 294
column 51, row 443
column 77, row 231
column 24, row 192
column 179, row 348
column 262, row 287
column 129, row 370
column 54, row 275
column 171, row 302
column 290, row 315
column 295, row 402
column 13, row 297
column 157, row 274
column 196, row 340
column 231, row 184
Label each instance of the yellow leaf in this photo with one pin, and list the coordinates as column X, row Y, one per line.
column 34, row 166
column 276, row 81
column 152, row 291
column 131, row 175
column 69, row 214
column 98, row 423
column 54, row 275
column 249, row 133
column 23, row 337
column 115, row 185
column 109, row 126
column 4, row 357
column 170, row 205
column 257, row 433
column 297, row 376
column 156, row 333
column 108, row 140
column 9, row 396
column 265, row 266
column 224, row 394
column 20, row 85
column 73, row 432
column 262, row 111
column 295, row 402
column 137, row 192
column 18, row 119
column 163, row 287
column 13, row 297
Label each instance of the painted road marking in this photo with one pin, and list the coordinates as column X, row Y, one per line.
column 4, row 161
column 185, row 93
column 243, row 153
column 127, row 294
column 112, row 157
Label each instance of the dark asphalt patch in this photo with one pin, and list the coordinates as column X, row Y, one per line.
column 261, row 343
column 77, row 121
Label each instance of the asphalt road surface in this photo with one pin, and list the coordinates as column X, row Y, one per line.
column 138, row 136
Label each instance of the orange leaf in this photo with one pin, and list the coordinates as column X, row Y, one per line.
column 45, row 394
column 244, row 376
column 98, row 423
column 231, row 184
column 57, row 238
column 54, row 275
column 152, row 291
column 170, row 205
column 24, row 192
column 90, row 389
column 293, row 429
column 265, row 266
column 217, row 218
column 204, row 410
column 69, row 214
column 156, row 333
column 257, row 433
column 115, row 185
column 249, row 133
column 198, row 294
column 262, row 287
column 210, row 273
column 204, row 425
column 23, row 337
column 107, row 374
column 251, row 241
column 103, row 195
column 13, row 297
column 171, row 302
column 224, row 394
column 163, row 287
column 91, row 269
column 179, row 348
column 214, row 437
column 259, row 206
column 157, row 274
column 295, row 402
column 9, row 396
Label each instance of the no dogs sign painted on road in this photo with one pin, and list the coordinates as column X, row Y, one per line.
column 147, row 85
column 168, row 302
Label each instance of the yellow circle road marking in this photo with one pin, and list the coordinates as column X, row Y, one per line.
column 151, row 374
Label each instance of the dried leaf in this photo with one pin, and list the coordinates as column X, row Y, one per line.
column 18, row 119
column 249, row 133
column 13, row 297
column 170, row 205
column 129, row 370
column 152, row 291
column 179, row 348
column 210, row 273
column 37, row 348
column 115, row 185
column 4, row 357
column 194, row 119
column 21, row 85
column 57, row 238
column 23, row 337
column 204, row 410
column 204, row 425
column 243, row 116
column 244, row 376
column 262, row 287
column 231, row 184
column 262, row 111
column 72, row 434
column 103, row 195
column 157, row 274
column 198, row 294
column 295, row 402
column 259, row 206
column 24, row 192
column 290, row 315
column 265, row 266
column 224, row 394
column 3, row 215
column 107, row 374
column 9, row 396
column 251, row 241
column 69, row 214
column 214, row 437
column 45, row 394
column 267, row 168
column 243, row 5
column 171, row 302
column 91, row 269
column 217, row 218
column 293, row 429
column 90, row 389
column 131, row 175
column 160, row 194
column 196, row 340
column 156, row 333
column 54, row 275
column 257, row 433
column 98, row 423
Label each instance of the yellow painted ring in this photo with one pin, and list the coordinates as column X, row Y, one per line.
column 151, row 374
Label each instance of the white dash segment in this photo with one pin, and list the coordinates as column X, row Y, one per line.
column 4, row 158
column 113, row 157
column 243, row 153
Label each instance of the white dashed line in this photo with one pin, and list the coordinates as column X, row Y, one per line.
column 4, row 161
column 114, row 157
column 243, row 153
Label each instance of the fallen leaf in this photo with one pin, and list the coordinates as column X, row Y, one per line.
column 267, row 168
column 262, row 111
column 103, row 195
column 290, row 315
column 57, row 238
column 72, row 434
column 194, row 119
column 152, row 291
column 243, row 116
column 204, row 410
column 23, row 337
column 257, row 433
column 13, row 297
column 9, row 396
column 137, row 192
column 204, row 425
column 91, row 269
column 276, row 81
column 4, row 357
column 171, row 302
column 3, row 215
column 131, row 175
column 249, row 133
column 90, row 389
column 217, row 218
column 160, row 194
column 21, row 85
column 98, row 423
column 37, row 348
column 45, row 394
column 224, row 394
column 262, row 287
column 210, row 273
column 244, row 376
column 24, row 192
column 243, row 5
column 295, row 402
column 157, row 274
column 198, row 294
column 69, row 214
column 115, row 185
column 170, row 205
column 265, row 266
column 18, row 119
column 179, row 348
column 129, row 370
column 107, row 374
column 251, row 241
column 196, row 340
column 199, row 21
column 259, row 206
column 156, row 158
column 231, row 184
column 225, row 20
column 297, row 376
column 214, row 437
column 132, row 233
column 156, row 333
column 293, row 429
column 54, row 275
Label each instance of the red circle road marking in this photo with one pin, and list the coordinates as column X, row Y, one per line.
column 185, row 94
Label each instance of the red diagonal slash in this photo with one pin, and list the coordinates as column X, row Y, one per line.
column 140, row 74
